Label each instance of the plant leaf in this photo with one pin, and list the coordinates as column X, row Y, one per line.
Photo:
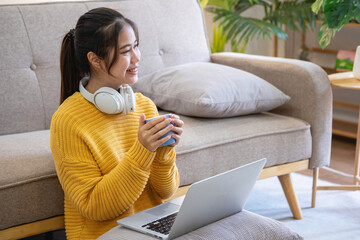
column 340, row 12
column 219, row 39
column 315, row 7
column 293, row 14
column 244, row 29
column 325, row 35
column 219, row 3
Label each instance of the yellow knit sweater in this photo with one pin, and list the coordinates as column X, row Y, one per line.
column 104, row 170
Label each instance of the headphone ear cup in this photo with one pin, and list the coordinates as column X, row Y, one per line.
column 129, row 98
column 109, row 101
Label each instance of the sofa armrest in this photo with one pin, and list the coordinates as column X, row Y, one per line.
column 308, row 86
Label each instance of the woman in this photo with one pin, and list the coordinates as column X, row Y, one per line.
column 109, row 165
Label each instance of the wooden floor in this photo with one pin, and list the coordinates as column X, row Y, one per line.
column 341, row 166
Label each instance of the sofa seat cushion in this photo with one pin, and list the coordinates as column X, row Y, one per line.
column 232, row 142
column 29, row 187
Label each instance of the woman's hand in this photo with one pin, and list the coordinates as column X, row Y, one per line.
column 178, row 124
column 149, row 133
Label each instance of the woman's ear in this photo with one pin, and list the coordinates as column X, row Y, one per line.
column 94, row 60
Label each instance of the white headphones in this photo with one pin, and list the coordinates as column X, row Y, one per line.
column 108, row 100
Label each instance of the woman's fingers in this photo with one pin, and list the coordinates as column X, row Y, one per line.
column 177, row 139
column 165, row 130
column 153, row 131
column 163, row 140
column 175, row 119
column 157, row 124
column 142, row 120
column 177, row 130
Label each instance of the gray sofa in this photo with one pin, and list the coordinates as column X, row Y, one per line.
column 293, row 137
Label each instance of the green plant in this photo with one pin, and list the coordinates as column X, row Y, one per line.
column 219, row 39
column 240, row 30
column 336, row 13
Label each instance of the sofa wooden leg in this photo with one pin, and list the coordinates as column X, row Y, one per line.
column 314, row 188
column 288, row 189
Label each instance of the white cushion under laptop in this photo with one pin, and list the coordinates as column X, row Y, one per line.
column 206, row 201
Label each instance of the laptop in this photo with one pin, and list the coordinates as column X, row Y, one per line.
column 206, row 201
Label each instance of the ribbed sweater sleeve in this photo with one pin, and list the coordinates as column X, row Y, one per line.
column 164, row 176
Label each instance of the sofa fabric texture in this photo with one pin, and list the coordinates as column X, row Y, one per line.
column 233, row 142
column 244, row 225
column 28, row 179
column 171, row 33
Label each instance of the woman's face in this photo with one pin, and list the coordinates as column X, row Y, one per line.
column 125, row 69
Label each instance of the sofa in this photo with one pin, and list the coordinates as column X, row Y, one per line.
column 294, row 136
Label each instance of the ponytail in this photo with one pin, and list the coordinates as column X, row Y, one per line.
column 70, row 76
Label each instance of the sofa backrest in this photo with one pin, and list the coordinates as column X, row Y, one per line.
column 171, row 33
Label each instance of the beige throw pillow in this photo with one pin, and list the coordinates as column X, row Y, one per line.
column 209, row 90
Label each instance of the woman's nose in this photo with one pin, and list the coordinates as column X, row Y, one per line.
column 136, row 55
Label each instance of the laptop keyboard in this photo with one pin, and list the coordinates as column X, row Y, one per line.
column 162, row 225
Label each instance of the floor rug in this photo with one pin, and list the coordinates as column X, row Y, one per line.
column 336, row 215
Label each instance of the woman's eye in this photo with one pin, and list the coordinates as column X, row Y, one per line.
column 125, row 52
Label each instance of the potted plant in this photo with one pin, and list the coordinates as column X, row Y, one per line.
column 240, row 30
column 336, row 14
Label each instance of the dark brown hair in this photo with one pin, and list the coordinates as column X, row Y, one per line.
column 96, row 31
